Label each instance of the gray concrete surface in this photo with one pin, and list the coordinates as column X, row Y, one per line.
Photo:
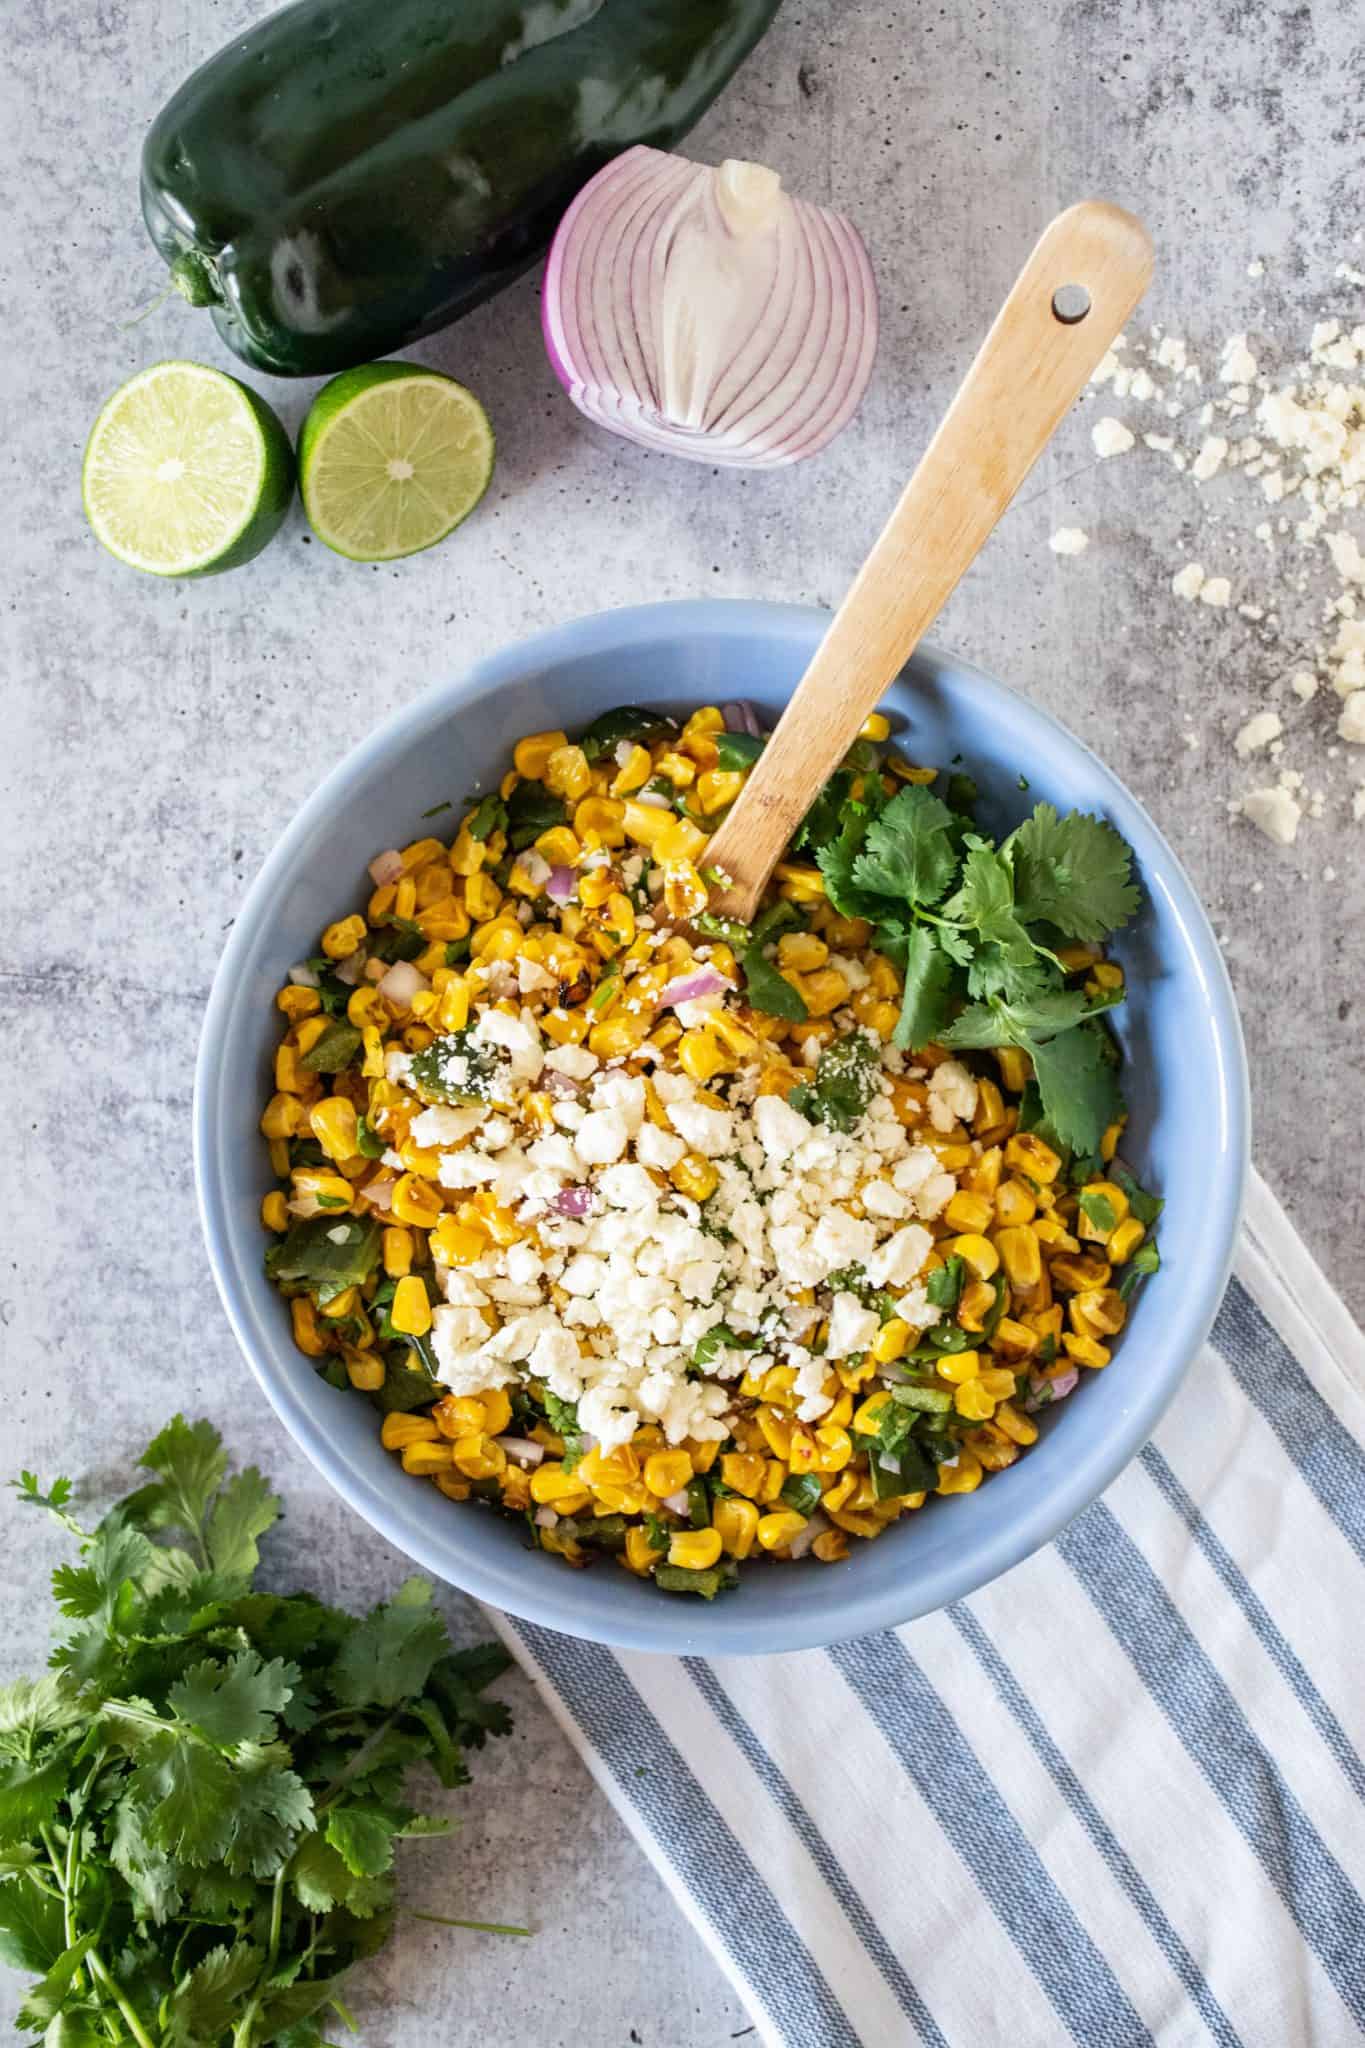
column 156, row 738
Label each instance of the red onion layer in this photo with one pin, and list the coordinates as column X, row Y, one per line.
column 707, row 313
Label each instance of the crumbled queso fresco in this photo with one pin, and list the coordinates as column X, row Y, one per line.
column 645, row 1280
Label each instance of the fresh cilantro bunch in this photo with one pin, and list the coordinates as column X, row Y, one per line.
column 199, row 1805
column 975, row 928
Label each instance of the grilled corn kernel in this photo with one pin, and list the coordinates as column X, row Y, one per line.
column 275, row 1211
column 602, row 817
column 341, row 1306
column 963, row 1477
column 825, row 991
column 410, row 1310
column 667, row 1472
column 876, row 728
column 416, row 1201
column 1014, row 1339
column 615, row 1036
column 1109, row 1143
column 867, row 1416
column 483, row 898
column 736, row 1524
column 567, row 773
column 680, row 840
column 957, row 1366
column 364, row 1370
column 1014, row 1203
column 695, row 1177
column 974, row 1401
column 284, row 1117
column 1076, row 1275
column 717, row 788
column 978, row 1299
column 701, row 1056
column 304, row 1318
column 341, row 939
column 531, row 755
column 633, row 773
column 1021, row 1257
column 333, row 1124
column 1102, row 1309
column 551, row 1486
column 968, row 1212
column 776, row 1531
column 1016, row 1424
column 743, row 1471
column 977, row 1252
column 833, row 1447
column 423, row 1459
column 396, row 1431
column 640, row 1552
column 1124, row 1241
column 478, row 1457
column 1027, row 1154
column 298, row 1002
column 1085, row 1351
column 695, row 1550
column 891, row 1341
column 830, row 1546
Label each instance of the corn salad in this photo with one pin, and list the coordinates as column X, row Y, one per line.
column 656, row 1241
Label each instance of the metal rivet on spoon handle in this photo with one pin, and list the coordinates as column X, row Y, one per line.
column 1084, row 278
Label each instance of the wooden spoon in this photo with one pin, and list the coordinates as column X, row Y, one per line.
column 1071, row 298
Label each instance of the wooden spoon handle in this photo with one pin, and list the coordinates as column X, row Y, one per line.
column 1031, row 367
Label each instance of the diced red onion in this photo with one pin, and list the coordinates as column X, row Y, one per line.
column 1043, row 1392
column 574, row 1201
column 742, row 717
column 652, row 799
column 562, row 885
column 352, row 967
column 401, row 983
column 707, row 313
column 690, row 988
column 678, row 1502
column 545, row 1518
column 535, row 867
column 803, row 1539
column 386, row 867
column 521, row 1450
column 556, row 1083
column 303, row 977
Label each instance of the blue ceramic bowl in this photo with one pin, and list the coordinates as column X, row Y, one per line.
column 1185, row 1080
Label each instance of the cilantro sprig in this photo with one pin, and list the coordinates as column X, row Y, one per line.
column 976, row 928
column 200, row 1804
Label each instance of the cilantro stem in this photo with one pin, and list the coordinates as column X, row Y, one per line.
column 479, row 1926
column 358, row 1762
column 106, row 1983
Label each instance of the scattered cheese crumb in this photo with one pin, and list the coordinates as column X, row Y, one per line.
column 1069, row 540
column 1304, row 685
column 1351, row 724
column 1189, row 581
column 1255, row 268
column 1273, row 811
column 1258, row 732
column 1110, row 437
column 1210, row 458
column 1216, row 590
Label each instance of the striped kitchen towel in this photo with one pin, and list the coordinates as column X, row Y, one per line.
column 1115, row 1798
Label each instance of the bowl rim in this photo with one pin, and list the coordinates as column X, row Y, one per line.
column 560, row 1604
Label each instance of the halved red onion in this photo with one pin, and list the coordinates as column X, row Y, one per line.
column 386, row 867
column 707, row 313
column 521, row 1450
column 562, row 885
column 401, row 983
column 574, row 1201
column 690, row 988
column 303, row 977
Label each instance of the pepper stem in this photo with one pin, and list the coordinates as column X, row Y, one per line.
column 194, row 277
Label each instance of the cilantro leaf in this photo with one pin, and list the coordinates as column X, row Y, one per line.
column 737, row 749
column 908, row 852
column 29, row 1796
column 488, row 816
column 944, row 1285
column 623, row 722
column 234, row 1702
column 390, row 1655
column 1078, row 1086
column 1098, row 1209
column 191, row 1461
column 1074, row 873
column 769, row 991
column 1146, row 1259
column 1144, row 1206
column 205, row 2003
column 1013, row 1023
column 32, row 1928
column 845, row 1082
column 363, row 1838
column 531, row 810
column 245, row 1509
column 720, row 1337
column 928, row 982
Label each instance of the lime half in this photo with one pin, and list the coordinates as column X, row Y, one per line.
column 391, row 458
column 186, row 472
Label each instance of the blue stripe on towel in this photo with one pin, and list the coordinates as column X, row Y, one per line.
column 698, row 1842
column 779, row 1788
column 1262, row 1623
column 1121, row 1866
column 965, row 1801
column 1328, row 1458
column 1328, row 1912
